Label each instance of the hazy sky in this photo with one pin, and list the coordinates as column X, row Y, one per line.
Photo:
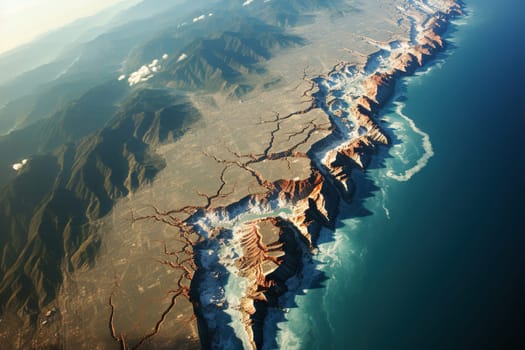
column 22, row 20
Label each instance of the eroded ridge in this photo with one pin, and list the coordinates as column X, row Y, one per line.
column 244, row 253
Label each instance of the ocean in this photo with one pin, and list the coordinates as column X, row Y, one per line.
column 431, row 255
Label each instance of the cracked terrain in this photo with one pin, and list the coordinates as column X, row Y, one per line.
column 201, row 255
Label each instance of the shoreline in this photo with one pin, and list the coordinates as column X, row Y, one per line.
column 315, row 201
column 264, row 241
column 377, row 159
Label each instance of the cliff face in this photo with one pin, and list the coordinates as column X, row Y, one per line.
column 251, row 251
column 263, row 241
column 273, row 249
column 269, row 264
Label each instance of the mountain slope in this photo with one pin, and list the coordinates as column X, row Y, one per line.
column 223, row 61
column 46, row 210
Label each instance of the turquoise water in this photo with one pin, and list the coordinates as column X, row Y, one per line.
column 437, row 263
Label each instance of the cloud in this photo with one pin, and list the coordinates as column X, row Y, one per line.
column 18, row 166
column 200, row 18
column 182, row 57
column 247, row 2
column 144, row 73
column 122, row 77
column 165, row 56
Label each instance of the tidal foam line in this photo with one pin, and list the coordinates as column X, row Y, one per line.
column 427, row 147
column 289, row 340
column 383, row 203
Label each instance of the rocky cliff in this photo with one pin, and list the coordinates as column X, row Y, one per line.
column 273, row 249
column 253, row 251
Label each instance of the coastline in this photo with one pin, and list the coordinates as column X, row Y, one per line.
column 353, row 210
column 443, row 271
column 315, row 201
column 246, row 255
column 341, row 195
column 345, row 248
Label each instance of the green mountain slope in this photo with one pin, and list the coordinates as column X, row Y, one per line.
column 75, row 120
column 223, row 61
column 46, row 210
column 89, row 138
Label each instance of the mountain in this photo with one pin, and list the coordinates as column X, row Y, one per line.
column 49, row 46
column 45, row 211
column 92, row 46
column 291, row 13
column 89, row 138
column 28, row 109
column 104, row 46
column 73, row 121
column 224, row 60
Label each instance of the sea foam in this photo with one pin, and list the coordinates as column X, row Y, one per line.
column 426, row 144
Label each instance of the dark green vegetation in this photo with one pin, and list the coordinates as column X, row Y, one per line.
column 224, row 60
column 221, row 49
column 90, row 139
column 73, row 121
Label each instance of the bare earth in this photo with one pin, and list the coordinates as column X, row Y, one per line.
column 139, row 284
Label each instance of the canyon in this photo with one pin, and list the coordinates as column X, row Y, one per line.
column 210, row 252
column 263, row 240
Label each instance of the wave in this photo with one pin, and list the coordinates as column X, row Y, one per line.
column 290, row 341
column 427, row 148
column 383, row 203
column 437, row 64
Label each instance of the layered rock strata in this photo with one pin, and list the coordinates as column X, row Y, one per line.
column 269, row 264
column 244, row 263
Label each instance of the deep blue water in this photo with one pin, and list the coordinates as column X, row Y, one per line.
column 445, row 268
